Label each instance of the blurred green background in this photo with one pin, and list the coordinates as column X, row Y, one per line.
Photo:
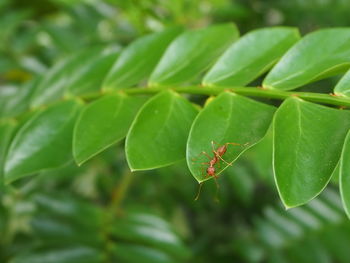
column 100, row 212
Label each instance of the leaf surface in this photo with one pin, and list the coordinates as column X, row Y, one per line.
column 138, row 60
column 103, row 123
column 229, row 118
column 343, row 86
column 252, row 55
column 307, row 144
column 191, row 53
column 159, row 132
column 318, row 55
column 43, row 142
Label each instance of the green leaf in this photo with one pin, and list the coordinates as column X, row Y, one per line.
column 344, row 181
column 343, row 86
column 318, row 55
column 7, row 127
column 229, row 118
column 43, row 142
column 159, row 132
column 53, row 84
column 138, row 60
column 71, row 254
column 103, row 123
column 127, row 253
column 251, row 56
column 89, row 77
column 191, row 53
column 307, row 143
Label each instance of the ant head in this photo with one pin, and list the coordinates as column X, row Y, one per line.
column 211, row 171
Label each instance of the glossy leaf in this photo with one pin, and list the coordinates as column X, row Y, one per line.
column 43, row 142
column 191, row 53
column 138, row 60
column 251, row 56
column 308, row 139
column 317, row 55
column 229, row 118
column 89, row 77
column 343, row 86
column 103, row 123
column 344, row 180
column 159, row 132
column 53, row 84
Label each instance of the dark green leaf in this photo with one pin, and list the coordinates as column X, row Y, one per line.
column 137, row 61
column 191, row 53
column 159, row 132
column 103, row 123
column 43, row 142
column 318, row 55
column 251, row 56
column 308, row 139
column 229, row 118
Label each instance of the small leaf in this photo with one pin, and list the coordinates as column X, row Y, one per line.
column 191, row 53
column 137, row 61
column 344, row 182
column 52, row 85
column 89, row 77
column 343, row 86
column 318, row 55
column 43, row 142
column 229, row 118
column 103, row 123
column 251, row 56
column 308, row 139
column 159, row 132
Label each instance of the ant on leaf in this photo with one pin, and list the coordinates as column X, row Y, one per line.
column 217, row 157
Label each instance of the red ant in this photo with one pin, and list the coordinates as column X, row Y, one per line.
column 218, row 153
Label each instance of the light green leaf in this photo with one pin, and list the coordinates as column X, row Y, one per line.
column 138, row 60
column 251, row 56
column 53, row 84
column 318, row 55
column 159, row 132
column 103, row 123
column 89, row 77
column 343, row 86
column 308, row 139
column 191, row 53
column 229, row 118
column 43, row 142
column 344, row 180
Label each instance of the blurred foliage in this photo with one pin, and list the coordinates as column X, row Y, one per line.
column 102, row 213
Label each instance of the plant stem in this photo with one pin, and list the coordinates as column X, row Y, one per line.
column 246, row 91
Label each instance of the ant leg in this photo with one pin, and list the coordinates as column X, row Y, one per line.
column 202, row 153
